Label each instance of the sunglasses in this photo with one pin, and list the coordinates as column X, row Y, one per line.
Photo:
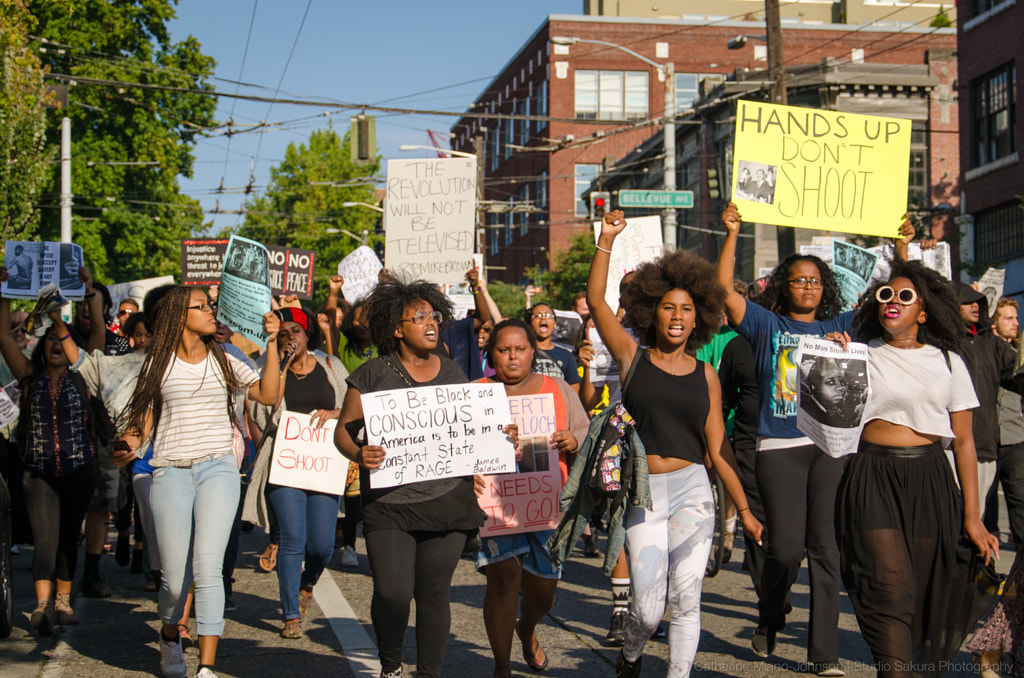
column 543, row 315
column 124, row 312
column 905, row 297
column 421, row 318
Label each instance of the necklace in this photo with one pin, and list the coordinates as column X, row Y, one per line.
column 300, row 377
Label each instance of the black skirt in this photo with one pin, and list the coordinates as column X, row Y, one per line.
column 904, row 564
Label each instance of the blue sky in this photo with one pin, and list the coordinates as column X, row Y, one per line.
column 362, row 52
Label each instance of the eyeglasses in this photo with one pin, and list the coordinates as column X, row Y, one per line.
column 813, row 283
column 905, row 297
column 201, row 307
column 543, row 315
column 124, row 311
column 421, row 318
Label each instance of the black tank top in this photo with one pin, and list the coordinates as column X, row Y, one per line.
column 312, row 391
column 670, row 410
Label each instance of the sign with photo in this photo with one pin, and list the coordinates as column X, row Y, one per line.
column 244, row 295
column 833, row 390
column 290, row 269
column 34, row 265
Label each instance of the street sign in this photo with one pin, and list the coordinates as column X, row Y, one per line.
column 633, row 198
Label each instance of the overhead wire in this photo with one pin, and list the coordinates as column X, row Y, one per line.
column 241, row 72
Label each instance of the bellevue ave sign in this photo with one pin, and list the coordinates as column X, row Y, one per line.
column 632, row 198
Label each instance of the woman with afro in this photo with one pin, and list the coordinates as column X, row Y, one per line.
column 673, row 306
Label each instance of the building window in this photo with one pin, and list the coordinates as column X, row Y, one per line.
column 510, row 133
column 493, row 221
column 542, row 104
column 993, row 101
column 999, row 233
column 611, row 95
column 509, row 222
column 495, row 141
column 585, row 175
column 524, row 125
column 918, row 185
column 687, row 85
column 524, row 217
column 542, row 190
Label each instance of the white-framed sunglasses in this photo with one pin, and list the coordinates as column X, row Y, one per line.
column 905, row 297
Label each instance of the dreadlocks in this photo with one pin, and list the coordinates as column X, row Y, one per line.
column 168, row 326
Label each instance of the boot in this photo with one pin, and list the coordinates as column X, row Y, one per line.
column 65, row 615
column 42, row 618
column 92, row 585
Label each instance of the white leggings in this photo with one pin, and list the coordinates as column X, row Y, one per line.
column 668, row 550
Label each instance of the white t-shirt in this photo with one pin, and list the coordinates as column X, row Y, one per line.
column 194, row 417
column 915, row 388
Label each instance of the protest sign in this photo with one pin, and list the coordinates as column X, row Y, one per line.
column 602, row 365
column 567, row 327
column 244, row 295
column 136, row 289
column 639, row 242
column 991, row 285
column 290, row 268
column 34, row 265
column 833, row 390
column 853, row 267
column 526, row 501
column 462, row 304
column 305, row 456
column 434, row 432
column 820, row 169
column 360, row 270
column 9, row 397
column 936, row 258
column 429, row 218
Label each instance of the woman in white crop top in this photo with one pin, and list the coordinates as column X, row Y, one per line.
column 900, row 514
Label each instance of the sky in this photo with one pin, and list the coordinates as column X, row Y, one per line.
column 407, row 53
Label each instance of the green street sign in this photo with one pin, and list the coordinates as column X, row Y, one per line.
column 663, row 199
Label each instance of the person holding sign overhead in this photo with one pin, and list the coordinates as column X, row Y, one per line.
column 521, row 563
column 312, row 383
column 415, row 532
column 674, row 306
column 183, row 401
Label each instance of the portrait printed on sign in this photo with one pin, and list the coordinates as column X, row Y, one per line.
column 70, row 262
column 756, row 181
column 247, row 260
column 21, row 267
column 834, row 389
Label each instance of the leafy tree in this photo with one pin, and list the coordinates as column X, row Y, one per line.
column 572, row 267
column 129, row 218
column 24, row 160
column 294, row 211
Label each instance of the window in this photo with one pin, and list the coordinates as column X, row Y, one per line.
column 686, row 90
column 585, row 175
column 918, row 185
column 510, row 133
column 611, row 95
column 493, row 235
column 495, row 141
column 542, row 104
column 509, row 222
column 999, row 232
column 994, row 110
column 524, row 217
column 542, row 190
column 524, row 125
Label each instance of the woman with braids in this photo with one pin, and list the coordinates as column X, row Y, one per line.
column 674, row 306
column 900, row 514
column 415, row 532
column 183, row 402
column 796, row 479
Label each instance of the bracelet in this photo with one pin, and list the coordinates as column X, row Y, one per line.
column 66, row 336
column 475, row 289
column 745, row 508
column 89, row 296
column 603, row 249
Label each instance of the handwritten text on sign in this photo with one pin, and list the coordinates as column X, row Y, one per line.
column 639, row 242
column 435, row 432
column 305, row 456
column 821, row 169
column 526, row 501
column 430, row 212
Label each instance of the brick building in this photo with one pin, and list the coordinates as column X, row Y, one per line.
column 993, row 176
column 570, row 112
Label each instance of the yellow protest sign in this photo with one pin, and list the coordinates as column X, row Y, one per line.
column 820, row 169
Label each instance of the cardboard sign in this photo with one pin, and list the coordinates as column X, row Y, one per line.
column 305, row 456
column 244, row 295
column 34, row 265
column 290, row 268
column 526, row 501
column 821, row 169
column 639, row 242
column 429, row 218
column 360, row 270
column 433, row 432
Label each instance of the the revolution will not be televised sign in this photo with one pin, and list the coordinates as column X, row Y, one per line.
column 820, row 169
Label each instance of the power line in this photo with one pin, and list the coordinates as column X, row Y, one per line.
column 241, row 71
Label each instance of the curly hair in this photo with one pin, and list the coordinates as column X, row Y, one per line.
column 348, row 328
column 775, row 297
column 943, row 327
column 679, row 270
column 516, row 323
column 134, row 320
column 388, row 301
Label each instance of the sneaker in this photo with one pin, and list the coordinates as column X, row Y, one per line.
column 92, row 586
column 626, row 669
column 229, row 605
column 42, row 618
column 397, row 673
column 62, row 607
column 172, row 658
column 205, row 673
column 616, row 633
column 763, row 641
column 349, row 557
column 829, row 670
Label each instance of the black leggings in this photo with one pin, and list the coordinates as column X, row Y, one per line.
column 406, row 564
column 56, row 508
column 351, row 519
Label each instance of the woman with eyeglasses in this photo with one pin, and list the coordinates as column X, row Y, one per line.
column 796, row 479
column 900, row 515
column 184, row 401
column 416, row 532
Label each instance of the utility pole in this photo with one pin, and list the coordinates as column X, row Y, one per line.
column 65, row 180
column 668, row 222
column 785, row 236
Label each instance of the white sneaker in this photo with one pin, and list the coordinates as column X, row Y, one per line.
column 206, row 673
column 172, row 658
column 349, row 558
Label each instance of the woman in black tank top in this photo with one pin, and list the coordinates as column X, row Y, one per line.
column 673, row 305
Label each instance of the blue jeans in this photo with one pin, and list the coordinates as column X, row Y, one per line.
column 307, row 521
column 193, row 509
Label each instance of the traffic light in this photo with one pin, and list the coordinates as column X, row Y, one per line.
column 599, row 204
column 713, row 191
column 362, row 140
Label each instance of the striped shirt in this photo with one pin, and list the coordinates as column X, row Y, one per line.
column 194, row 416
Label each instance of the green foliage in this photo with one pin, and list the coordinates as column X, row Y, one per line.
column 941, row 20
column 129, row 219
column 24, row 160
column 511, row 299
column 572, row 267
column 295, row 213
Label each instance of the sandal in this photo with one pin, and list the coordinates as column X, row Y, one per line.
column 304, row 598
column 292, row 629
column 186, row 637
column 534, row 655
column 268, row 561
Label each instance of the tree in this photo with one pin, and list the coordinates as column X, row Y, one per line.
column 294, row 211
column 24, row 160
column 572, row 268
column 129, row 219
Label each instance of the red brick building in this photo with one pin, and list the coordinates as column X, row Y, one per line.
column 573, row 111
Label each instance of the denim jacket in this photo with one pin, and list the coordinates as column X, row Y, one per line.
column 578, row 501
